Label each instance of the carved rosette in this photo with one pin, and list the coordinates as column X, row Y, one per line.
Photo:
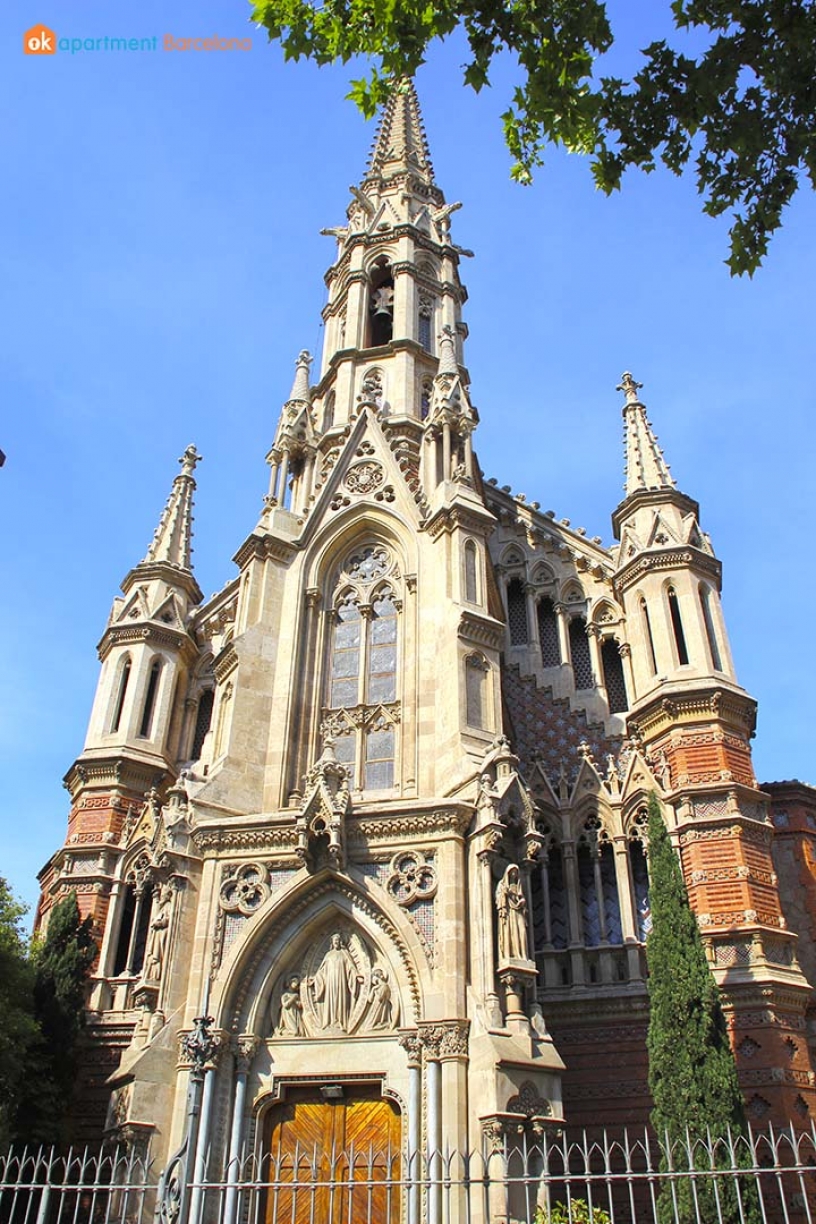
column 245, row 889
column 411, row 878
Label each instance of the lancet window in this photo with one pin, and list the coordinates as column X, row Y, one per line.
column 362, row 709
column 548, row 634
column 711, row 635
column 600, row 904
column 476, row 672
column 677, row 627
column 517, row 613
column 150, row 699
column 124, row 679
column 613, row 676
column 203, row 722
column 471, row 573
column 579, row 650
column 647, row 633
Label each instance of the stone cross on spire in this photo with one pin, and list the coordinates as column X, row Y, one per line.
column 172, row 540
column 645, row 466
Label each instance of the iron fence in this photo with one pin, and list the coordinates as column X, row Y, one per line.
column 766, row 1177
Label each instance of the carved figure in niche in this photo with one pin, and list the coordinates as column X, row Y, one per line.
column 382, row 1009
column 512, row 909
column 290, row 1021
column 157, row 939
column 335, row 986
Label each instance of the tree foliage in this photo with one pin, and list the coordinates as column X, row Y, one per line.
column 18, row 1029
column 692, row 1074
column 742, row 110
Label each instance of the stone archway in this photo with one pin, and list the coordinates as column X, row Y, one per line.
column 332, row 1156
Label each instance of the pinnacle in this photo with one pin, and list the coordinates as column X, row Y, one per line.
column 300, row 387
column 173, row 537
column 646, row 468
column 400, row 143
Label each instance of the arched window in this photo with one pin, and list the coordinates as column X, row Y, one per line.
column 223, row 714
column 476, row 669
column 517, row 613
column 381, row 303
column 579, row 652
column 203, row 721
column 548, row 634
column 597, row 880
column 363, row 667
column 714, row 650
column 150, row 699
column 328, row 412
column 124, row 678
column 471, row 581
column 426, row 313
column 677, row 627
column 647, row 633
column 640, row 888
column 133, row 930
column 613, row 676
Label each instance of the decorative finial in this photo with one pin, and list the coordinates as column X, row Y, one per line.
column 629, row 387
column 189, row 460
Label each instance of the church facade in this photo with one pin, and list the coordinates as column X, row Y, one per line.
column 378, row 806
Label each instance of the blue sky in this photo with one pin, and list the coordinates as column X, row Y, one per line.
column 162, row 267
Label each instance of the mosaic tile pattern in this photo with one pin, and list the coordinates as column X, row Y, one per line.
column 545, row 725
column 421, row 913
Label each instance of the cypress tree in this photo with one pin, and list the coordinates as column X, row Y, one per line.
column 692, row 1073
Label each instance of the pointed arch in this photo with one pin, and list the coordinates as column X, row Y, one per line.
column 121, row 683
column 289, row 924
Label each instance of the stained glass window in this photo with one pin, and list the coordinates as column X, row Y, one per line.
column 345, row 668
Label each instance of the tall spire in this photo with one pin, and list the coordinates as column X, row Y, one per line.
column 172, row 541
column 645, row 466
column 400, row 144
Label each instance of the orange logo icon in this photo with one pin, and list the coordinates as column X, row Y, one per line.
column 39, row 40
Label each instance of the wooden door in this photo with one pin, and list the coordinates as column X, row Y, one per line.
column 332, row 1161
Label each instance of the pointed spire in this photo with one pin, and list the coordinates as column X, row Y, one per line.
column 400, row 143
column 300, row 387
column 645, row 466
column 172, row 541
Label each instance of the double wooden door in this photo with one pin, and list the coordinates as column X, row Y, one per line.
column 334, row 1161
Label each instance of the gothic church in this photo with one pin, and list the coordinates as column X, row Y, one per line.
column 378, row 806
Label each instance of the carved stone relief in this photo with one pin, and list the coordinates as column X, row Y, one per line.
column 339, row 990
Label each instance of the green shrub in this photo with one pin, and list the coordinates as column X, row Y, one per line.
column 577, row 1212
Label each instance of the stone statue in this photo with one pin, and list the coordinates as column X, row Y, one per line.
column 512, row 909
column 290, row 1021
column 335, row 986
column 157, row 938
column 381, row 1007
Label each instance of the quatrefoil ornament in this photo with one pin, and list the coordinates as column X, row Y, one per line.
column 412, row 878
column 246, row 890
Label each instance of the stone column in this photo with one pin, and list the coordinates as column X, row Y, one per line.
column 283, row 477
column 431, row 1040
column 625, row 652
column 201, row 1152
column 595, row 657
column 486, row 931
column 446, row 451
column 544, row 860
column 532, row 619
column 453, row 1050
column 412, row 1045
column 562, row 620
column 244, row 1051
